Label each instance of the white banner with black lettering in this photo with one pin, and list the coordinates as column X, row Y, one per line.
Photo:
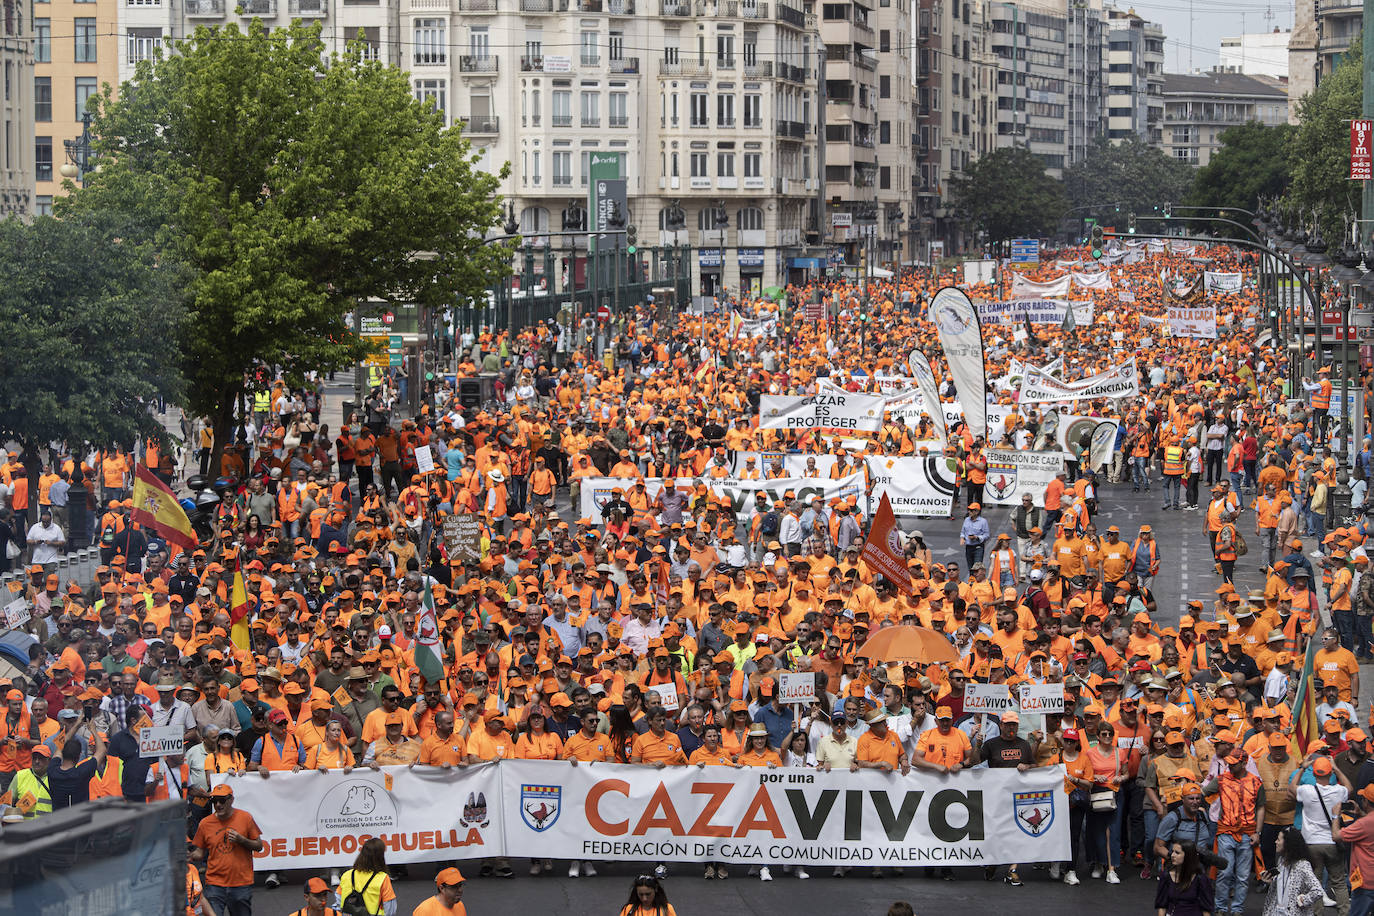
column 612, row 812
column 319, row 820
column 1218, row 282
column 920, row 487
column 831, row 409
column 1122, row 381
column 597, row 492
column 1012, row 472
column 1198, row 323
column 1039, row 311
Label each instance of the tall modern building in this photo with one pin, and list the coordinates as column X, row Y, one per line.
column 1135, row 77
column 16, row 109
column 1030, row 44
column 1086, row 70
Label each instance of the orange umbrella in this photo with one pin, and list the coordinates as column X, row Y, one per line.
column 912, row 645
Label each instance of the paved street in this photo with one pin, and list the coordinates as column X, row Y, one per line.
column 691, row 895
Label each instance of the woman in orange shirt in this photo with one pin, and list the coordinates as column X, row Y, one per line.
column 735, row 736
column 647, row 899
column 536, row 743
column 332, row 753
column 1108, row 772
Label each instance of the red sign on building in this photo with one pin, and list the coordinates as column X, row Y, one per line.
column 1361, row 149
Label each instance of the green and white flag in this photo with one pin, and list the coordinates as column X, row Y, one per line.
column 429, row 654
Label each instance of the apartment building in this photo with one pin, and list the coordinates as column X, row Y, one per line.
column 1135, row 77
column 1085, row 76
column 75, row 51
column 16, row 110
column 1030, row 43
column 145, row 25
column 1199, row 108
column 705, row 103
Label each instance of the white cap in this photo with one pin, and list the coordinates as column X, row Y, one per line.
column 384, row 632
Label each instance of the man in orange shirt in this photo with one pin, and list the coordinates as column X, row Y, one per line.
column 226, row 841
column 879, row 748
column 944, row 748
column 444, row 748
column 448, row 899
column 658, row 746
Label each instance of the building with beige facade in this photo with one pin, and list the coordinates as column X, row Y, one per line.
column 16, row 109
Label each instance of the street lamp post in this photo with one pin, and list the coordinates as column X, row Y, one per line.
column 78, row 153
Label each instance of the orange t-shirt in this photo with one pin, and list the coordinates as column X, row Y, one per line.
column 887, row 749
column 588, row 750
column 228, row 864
column 437, row 752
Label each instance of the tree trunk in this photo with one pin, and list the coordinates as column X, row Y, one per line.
column 223, row 421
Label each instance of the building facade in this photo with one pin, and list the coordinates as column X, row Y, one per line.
column 1198, row 109
column 1257, row 54
column 1030, row 45
column 16, row 110
column 1135, row 77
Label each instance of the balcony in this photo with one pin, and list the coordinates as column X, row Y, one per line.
column 1337, row 42
column 619, row 120
column 865, row 61
column 489, row 125
column 590, row 60
column 794, row 130
column 754, row 124
column 562, row 181
column 620, row 7
column 474, row 63
column 591, row 121
column 477, row 6
column 430, row 58
column 1339, row 6
column 674, row 8
column 536, row 6
column 753, row 10
column 562, row 120
column 790, row 73
column 757, row 69
column 204, row 7
column 725, row 63
column 792, row 17
column 684, row 68
column 308, row 9
column 864, row 32
column 624, row 65
column 257, row 8
column 530, row 64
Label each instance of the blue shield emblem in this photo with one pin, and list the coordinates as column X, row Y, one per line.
column 601, row 496
column 539, row 806
column 1034, row 811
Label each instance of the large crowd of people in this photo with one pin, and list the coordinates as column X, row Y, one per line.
column 1181, row 733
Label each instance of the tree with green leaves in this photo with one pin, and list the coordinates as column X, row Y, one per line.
column 90, row 323
column 1251, row 164
column 1114, row 180
column 1008, row 194
column 1319, row 153
column 293, row 187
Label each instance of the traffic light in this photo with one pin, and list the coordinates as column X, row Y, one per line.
column 1096, row 242
column 631, row 238
column 1130, row 226
column 1168, row 211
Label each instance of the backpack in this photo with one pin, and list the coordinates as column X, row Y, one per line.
column 770, row 523
column 355, row 904
column 107, row 535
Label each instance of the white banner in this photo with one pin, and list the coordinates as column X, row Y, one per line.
column 961, row 337
column 1012, row 472
column 757, row 327
column 1218, row 282
column 161, row 740
column 1098, row 433
column 778, row 817
column 920, row 487
column 1199, row 323
column 318, row 820
column 1123, row 381
column 833, row 409
column 1021, row 287
column 1039, row 311
column 596, row 491
column 1099, row 280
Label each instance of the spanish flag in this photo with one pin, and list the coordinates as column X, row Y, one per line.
column 155, row 507
column 238, row 611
